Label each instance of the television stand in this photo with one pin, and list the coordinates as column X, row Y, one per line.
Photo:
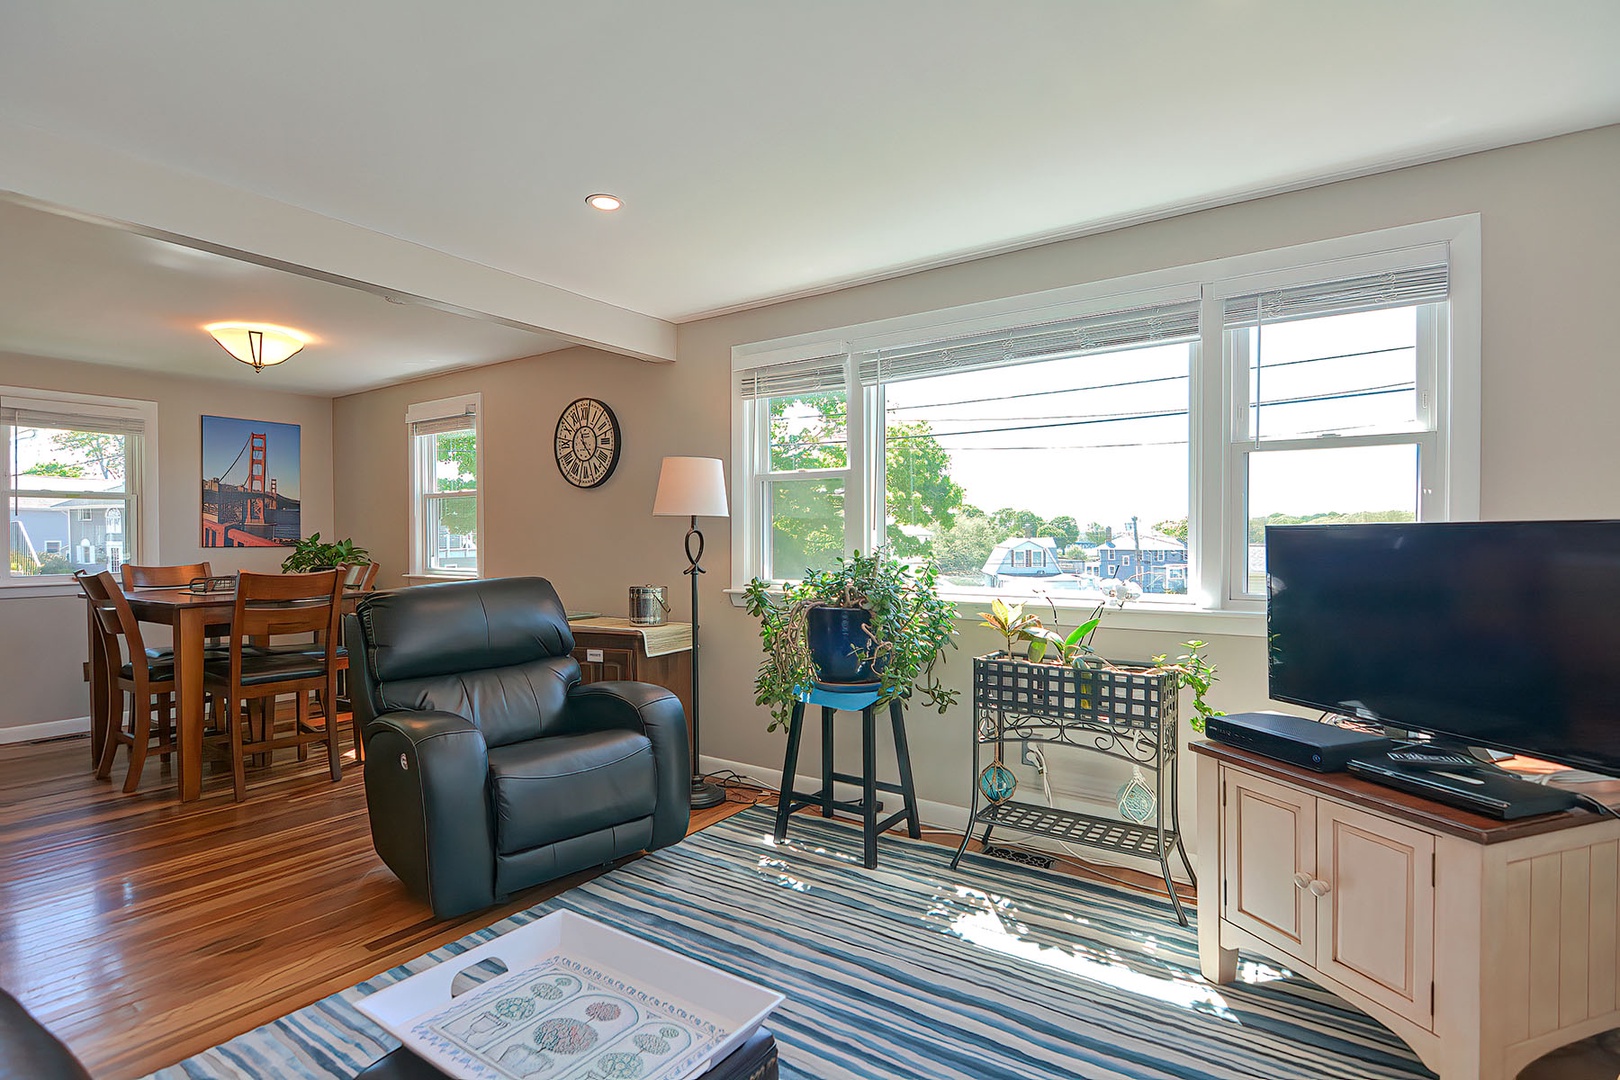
column 1482, row 943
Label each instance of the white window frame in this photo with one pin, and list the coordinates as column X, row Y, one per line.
column 1216, row 506
column 141, row 481
column 422, row 468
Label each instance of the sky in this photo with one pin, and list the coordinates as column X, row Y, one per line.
column 224, row 438
column 1104, row 437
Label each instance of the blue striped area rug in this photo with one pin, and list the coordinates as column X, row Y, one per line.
column 991, row 972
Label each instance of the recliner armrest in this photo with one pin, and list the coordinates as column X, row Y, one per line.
column 657, row 714
column 28, row 1051
column 426, row 776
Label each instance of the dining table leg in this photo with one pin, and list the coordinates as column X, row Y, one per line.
column 189, row 631
column 100, row 707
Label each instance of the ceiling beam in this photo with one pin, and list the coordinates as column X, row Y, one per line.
column 96, row 184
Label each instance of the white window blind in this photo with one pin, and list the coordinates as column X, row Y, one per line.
column 1136, row 327
column 1160, row 324
column 438, row 417
column 1369, row 292
column 17, row 412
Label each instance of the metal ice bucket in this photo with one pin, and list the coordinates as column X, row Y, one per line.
column 649, row 605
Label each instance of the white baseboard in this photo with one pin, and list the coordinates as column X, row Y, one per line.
column 50, row 729
column 948, row 816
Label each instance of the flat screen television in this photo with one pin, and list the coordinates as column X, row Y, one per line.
column 1498, row 634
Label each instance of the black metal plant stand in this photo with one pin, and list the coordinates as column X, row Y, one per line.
column 1127, row 715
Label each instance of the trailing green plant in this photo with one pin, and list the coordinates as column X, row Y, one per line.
column 1194, row 673
column 312, row 554
column 911, row 626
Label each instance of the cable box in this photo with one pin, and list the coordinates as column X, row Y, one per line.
column 1484, row 789
column 1309, row 744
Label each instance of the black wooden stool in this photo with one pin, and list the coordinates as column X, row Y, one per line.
column 867, row 806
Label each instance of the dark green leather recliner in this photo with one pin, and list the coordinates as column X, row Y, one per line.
column 489, row 767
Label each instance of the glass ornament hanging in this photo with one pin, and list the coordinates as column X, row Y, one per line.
column 1136, row 800
column 997, row 782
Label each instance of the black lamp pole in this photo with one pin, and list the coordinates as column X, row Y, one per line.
column 704, row 794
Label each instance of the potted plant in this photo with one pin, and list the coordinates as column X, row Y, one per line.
column 312, row 554
column 868, row 617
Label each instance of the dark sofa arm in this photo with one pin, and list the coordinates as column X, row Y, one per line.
column 28, row 1051
column 656, row 713
column 426, row 774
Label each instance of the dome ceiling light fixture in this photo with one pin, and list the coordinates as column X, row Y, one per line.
column 604, row 202
column 259, row 345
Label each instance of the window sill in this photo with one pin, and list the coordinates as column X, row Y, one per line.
column 441, row 577
column 33, row 590
column 1185, row 620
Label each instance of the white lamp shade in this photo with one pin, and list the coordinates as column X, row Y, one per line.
column 691, row 487
column 273, row 344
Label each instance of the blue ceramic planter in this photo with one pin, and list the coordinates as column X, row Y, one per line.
column 834, row 634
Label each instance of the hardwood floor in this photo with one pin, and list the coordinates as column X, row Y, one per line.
column 142, row 931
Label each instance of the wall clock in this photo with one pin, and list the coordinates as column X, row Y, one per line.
column 587, row 443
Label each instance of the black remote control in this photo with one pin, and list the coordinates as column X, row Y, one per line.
column 1431, row 757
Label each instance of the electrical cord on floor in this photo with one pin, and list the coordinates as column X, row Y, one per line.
column 741, row 788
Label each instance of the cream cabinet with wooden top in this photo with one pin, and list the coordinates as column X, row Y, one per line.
column 1483, row 944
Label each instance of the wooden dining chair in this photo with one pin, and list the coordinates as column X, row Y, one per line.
column 359, row 578
column 163, row 577
column 269, row 604
column 149, row 683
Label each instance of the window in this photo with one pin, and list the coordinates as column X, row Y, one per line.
column 444, row 484
column 1145, row 429
column 1334, row 404
column 74, row 474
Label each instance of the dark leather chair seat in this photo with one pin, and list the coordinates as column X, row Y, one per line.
column 293, row 648
column 590, row 782
column 257, row 670
column 156, row 670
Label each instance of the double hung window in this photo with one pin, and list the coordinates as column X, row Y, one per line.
column 73, row 475
column 1334, row 404
column 446, row 515
column 1143, row 430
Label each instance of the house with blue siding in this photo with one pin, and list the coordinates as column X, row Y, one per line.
column 1157, row 563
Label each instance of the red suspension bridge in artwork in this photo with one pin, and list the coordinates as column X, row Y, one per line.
column 250, row 513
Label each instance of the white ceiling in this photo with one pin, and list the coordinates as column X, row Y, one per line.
column 71, row 290
column 763, row 149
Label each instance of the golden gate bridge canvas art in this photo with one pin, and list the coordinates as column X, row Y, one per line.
column 250, row 495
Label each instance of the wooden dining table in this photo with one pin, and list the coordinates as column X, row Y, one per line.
column 192, row 616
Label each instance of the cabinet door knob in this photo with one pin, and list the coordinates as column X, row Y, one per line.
column 1319, row 887
column 1301, row 880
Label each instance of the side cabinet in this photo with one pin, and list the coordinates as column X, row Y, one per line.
column 1348, row 893
column 1483, row 944
column 1374, row 894
column 1270, row 832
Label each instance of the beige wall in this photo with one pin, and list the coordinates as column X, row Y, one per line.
column 45, row 638
column 1551, row 234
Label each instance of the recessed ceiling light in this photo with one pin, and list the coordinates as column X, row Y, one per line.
column 603, row 201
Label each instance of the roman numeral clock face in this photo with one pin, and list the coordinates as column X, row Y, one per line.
column 587, row 443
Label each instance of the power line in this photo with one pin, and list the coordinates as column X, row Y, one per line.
column 1116, row 418
column 1125, row 383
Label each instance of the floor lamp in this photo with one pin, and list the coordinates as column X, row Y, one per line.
column 694, row 487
